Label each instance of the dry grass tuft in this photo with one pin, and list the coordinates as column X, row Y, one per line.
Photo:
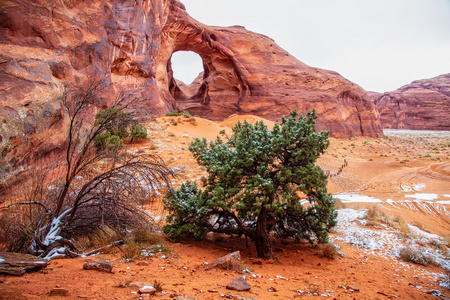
column 158, row 285
column 340, row 205
column 132, row 250
column 402, row 227
column 375, row 216
column 410, row 254
column 329, row 251
column 104, row 236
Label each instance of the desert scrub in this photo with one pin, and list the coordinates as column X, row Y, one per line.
column 420, row 226
column 177, row 113
column 414, row 255
column 340, row 205
column 329, row 251
column 375, row 216
column 402, row 227
column 158, row 285
column 132, row 250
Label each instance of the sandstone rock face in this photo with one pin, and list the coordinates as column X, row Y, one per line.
column 421, row 105
column 46, row 44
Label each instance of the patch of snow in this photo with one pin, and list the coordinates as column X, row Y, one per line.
column 420, row 196
column 405, row 188
column 346, row 198
column 384, row 240
column 419, row 233
column 55, row 253
column 447, row 196
column 443, row 202
column 419, row 186
column 1, row 259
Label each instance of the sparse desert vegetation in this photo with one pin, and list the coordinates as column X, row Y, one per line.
column 370, row 238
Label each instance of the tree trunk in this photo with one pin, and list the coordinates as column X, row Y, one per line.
column 262, row 241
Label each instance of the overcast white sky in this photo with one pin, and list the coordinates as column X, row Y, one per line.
column 379, row 44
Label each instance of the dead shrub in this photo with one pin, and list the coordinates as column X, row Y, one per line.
column 447, row 241
column 340, row 205
column 402, row 227
column 145, row 234
column 14, row 231
column 410, row 254
column 21, row 220
column 192, row 120
column 158, row 285
column 131, row 250
column 419, row 225
column 104, row 236
column 329, row 251
column 375, row 216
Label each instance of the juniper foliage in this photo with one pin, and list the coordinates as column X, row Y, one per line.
column 261, row 183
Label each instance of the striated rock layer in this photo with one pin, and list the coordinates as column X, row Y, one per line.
column 420, row 105
column 47, row 44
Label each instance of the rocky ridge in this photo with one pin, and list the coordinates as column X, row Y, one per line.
column 421, row 105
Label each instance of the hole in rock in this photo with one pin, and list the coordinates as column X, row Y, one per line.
column 186, row 66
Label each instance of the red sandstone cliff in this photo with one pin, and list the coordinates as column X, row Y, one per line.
column 46, row 44
column 420, row 105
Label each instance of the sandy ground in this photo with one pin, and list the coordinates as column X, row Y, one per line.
column 406, row 176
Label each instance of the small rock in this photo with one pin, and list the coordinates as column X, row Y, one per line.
column 142, row 263
column 234, row 297
column 231, row 261
column 239, row 284
column 138, row 284
column 257, row 262
column 353, row 288
column 434, row 293
column 59, row 292
column 147, row 290
column 99, row 265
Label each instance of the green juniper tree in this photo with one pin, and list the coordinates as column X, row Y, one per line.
column 261, row 183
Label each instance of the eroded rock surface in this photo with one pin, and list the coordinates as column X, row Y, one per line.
column 231, row 261
column 18, row 264
column 421, row 105
column 45, row 45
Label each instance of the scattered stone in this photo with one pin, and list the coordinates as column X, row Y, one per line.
column 257, row 262
column 184, row 298
column 231, row 261
column 239, row 284
column 138, row 285
column 147, row 290
column 273, row 289
column 18, row 264
column 240, row 297
column 353, row 288
column 59, row 292
column 99, row 265
column 143, row 263
column 437, row 293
